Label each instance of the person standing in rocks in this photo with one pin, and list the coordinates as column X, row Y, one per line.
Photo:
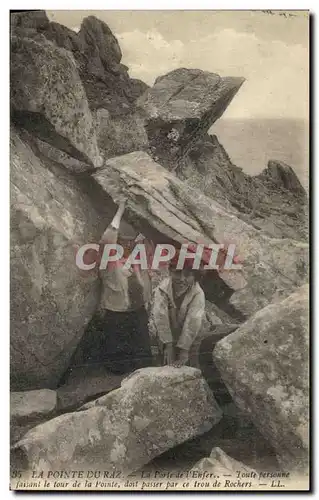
column 117, row 337
column 121, row 337
column 177, row 313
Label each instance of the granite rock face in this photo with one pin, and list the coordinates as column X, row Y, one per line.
column 128, row 427
column 51, row 302
column 98, row 57
column 118, row 135
column 36, row 20
column 265, row 365
column 109, row 91
column 48, row 98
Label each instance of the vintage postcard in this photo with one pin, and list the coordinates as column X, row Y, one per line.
column 159, row 250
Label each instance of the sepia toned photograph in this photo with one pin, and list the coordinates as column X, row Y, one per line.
column 159, row 250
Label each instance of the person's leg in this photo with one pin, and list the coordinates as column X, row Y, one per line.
column 117, row 352
column 93, row 346
column 141, row 344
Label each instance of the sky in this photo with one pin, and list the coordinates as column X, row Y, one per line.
column 269, row 50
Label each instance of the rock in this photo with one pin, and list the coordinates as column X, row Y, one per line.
column 66, row 38
column 262, row 200
column 215, row 316
column 284, row 176
column 75, row 166
column 222, row 465
column 48, row 98
column 28, row 409
column 106, row 80
column 265, row 365
column 98, row 55
column 32, row 404
column 29, row 19
column 138, row 88
column 201, row 357
column 128, row 427
column 119, row 135
column 101, row 47
column 168, row 210
column 208, row 168
column 51, row 302
column 180, row 108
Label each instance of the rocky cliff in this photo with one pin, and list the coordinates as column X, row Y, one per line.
column 83, row 135
column 74, row 112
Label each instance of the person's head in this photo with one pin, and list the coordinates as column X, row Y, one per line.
column 182, row 279
column 126, row 237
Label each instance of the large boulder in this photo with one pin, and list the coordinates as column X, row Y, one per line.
column 180, row 108
column 51, row 302
column 154, row 410
column 170, row 211
column 265, row 365
column 48, row 98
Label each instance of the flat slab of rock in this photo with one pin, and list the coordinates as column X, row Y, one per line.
column 189, row 94
column 31, row 404
column 265, row 365
column 154, row 410
column 168, row 210
column 180, row 108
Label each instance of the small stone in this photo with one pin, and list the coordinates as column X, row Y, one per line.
column 30, row 404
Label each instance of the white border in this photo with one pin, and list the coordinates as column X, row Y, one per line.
column 4, row 185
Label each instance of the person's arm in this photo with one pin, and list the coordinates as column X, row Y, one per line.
column 110, row 235
column 192, row 324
